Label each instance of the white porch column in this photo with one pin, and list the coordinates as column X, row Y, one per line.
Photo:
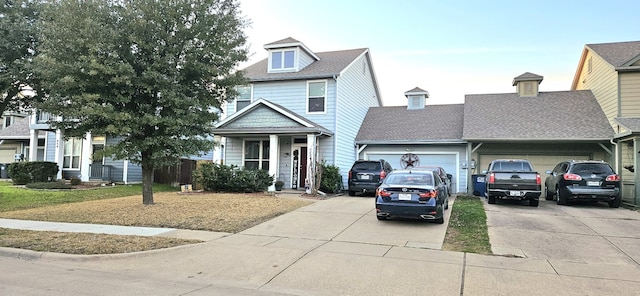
column 125, row 172
column 311, row 161
column 274, row 153
column 33, row 145
column 85, row 158
column 59, row 153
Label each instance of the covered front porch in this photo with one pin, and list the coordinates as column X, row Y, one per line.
column 269, row 137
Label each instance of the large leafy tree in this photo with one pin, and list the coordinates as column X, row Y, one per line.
column 147, row 72
column 18, row 42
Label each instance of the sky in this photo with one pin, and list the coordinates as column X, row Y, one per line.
column 448, row 48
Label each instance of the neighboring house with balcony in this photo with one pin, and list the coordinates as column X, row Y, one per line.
column 612, row 72
column 298, row 108
column 15, row 137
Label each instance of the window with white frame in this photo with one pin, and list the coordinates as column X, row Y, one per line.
column 244, row 97
column 72, row 153
column 316, row 96
column 8, row 121
column 256, row 154
column 283, row 59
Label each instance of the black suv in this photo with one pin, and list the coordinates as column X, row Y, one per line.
column 366, row 175
column 583, row 180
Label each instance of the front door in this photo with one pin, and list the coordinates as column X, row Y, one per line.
column 299, row 167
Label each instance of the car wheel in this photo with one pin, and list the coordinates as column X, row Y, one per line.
column 560, row 199
column 446, row 204
column 534, row 202
column 492, row 199
column 440, row 220
column 615, row 203
column 381, row 218
column 352, row 193
column 548, row 195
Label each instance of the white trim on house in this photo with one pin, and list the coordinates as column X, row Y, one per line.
column 324, row 108
column 270, row 105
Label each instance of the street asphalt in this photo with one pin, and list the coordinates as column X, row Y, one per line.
column 337, row 247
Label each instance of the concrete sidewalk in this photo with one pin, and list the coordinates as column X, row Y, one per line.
column 110, row 229
column 332, row 247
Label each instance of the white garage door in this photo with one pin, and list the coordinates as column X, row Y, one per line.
column 540, row 163
column 446, row 161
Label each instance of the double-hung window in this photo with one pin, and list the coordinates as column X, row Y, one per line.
column 244, row 97
column 72, row 153
column 316, row 96
column 256, row 154
column 283, row 60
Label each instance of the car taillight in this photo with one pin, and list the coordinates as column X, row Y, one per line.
column 350, row 174
column 382, row 193
column 572, row 177
column 538, row 181
column 382, row 174
column 429, row 194
column 613, row 178
column 492, row 178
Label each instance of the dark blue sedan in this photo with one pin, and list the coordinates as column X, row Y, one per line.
column 419, row 194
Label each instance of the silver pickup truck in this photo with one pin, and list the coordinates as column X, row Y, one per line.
column 512, row 179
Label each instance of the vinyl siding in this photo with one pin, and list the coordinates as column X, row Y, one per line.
column 356, row 93
column 630, row 94
column 304, row 59
column 50, row 149
column 134, row 173
column 603, row 82
column 233, row 152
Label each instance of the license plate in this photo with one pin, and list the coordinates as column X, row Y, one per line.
column 593, row 183
column 365, row 177
column 481, row 179
column 404, row 196
column 514, row 193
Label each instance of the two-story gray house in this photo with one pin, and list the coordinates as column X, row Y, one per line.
column 299, row 108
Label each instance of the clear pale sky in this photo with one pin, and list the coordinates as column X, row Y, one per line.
column 449, row 48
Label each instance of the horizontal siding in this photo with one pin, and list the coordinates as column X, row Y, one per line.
column 233, row 152
column 304, row 59
column 602, row 81
column 134, row 174
column 630, row 94
column 356, row 93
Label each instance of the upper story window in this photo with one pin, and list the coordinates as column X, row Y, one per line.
column 8, row 121
column 282, row 60
column 316, row 96
column 244, row 97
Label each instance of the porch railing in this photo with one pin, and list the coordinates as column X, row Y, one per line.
column 43, row 117
column 100, row 172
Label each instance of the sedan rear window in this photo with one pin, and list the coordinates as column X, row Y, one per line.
column 409, row 179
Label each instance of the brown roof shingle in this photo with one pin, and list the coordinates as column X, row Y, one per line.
column 618, row 53
column 331, row 63
column 561, row 115
column 434, row 123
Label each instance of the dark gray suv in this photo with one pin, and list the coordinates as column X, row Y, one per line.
column 366, row 175
column 583, row 180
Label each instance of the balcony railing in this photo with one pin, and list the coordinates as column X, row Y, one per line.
column 100, row 172
column 43, row 117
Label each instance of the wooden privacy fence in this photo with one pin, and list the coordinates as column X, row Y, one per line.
column 178, row 174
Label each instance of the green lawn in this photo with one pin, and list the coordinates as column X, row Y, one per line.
column 17, row 198
column 467, row 230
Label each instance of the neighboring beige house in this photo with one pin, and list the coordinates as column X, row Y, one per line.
column 612, row 72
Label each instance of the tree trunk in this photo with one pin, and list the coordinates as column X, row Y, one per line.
column 147, row 184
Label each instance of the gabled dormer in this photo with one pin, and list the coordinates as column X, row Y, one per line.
column 527, row 84
column 288, row 55
column 417, row 98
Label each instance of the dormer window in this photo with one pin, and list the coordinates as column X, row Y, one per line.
column 282, row 60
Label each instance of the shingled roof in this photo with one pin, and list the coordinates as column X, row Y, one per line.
column 394, row 125
column 551, row 116
column 630, row 123
column 19, row 130
column 330, row 64
column 618, row 54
